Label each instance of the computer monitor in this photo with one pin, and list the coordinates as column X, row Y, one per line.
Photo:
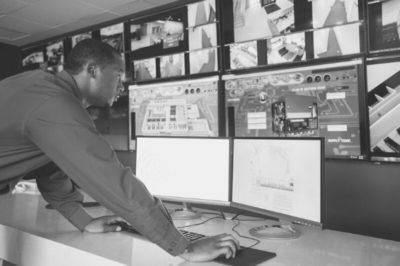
column 281, row 178
column 185, row 169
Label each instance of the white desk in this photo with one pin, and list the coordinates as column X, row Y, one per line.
column 32, row 235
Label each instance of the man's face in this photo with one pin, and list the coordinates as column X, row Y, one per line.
column 107, row 84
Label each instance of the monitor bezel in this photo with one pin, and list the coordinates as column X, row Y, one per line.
column 195, row 200
column 286, row 217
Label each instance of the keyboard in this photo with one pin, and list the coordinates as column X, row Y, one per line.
column 190, row 236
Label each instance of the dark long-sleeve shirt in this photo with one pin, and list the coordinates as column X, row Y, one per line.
column 42, row 120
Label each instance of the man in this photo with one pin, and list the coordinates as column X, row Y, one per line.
column 44, row 127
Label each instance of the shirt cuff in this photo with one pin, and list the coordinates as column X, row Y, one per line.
column 80, row 218
column 177, row 245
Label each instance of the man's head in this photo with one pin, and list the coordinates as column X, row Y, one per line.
column 97, row 69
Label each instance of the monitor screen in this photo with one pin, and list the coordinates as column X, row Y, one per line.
column 312, row 101
column 55, row 56
column 282, row 176
column 327, row 13
column 33, row 58
column 253, row 20
column 113, row 35
column 383, row 99
column 243, row 55
column 201, row 13
column 184, row 169
column 203, row 61
column 337, row 41
column 383, row 22
column 80, row 37
column 186, row 108
column 160, row 34
column 288, row 48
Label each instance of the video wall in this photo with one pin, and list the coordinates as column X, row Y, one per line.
column 260, row 33
column 302, row 68
column 316, row 101
column 177, row 43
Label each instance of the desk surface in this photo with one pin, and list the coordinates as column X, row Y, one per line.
column 32, row 235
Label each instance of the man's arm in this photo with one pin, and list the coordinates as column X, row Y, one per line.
column 58, row 190
column 62, row 129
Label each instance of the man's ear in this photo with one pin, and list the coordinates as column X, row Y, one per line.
column 91, row 69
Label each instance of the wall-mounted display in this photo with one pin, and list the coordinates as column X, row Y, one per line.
column 114, row 36
column 253, row 20
column 384, row 108
column 319, row 100
column 243, row 55
column 172, row 65
column 33, row 58
column 55, row 56
column 203, row 36
column 327, row 13
column 337, row 41
column 144, row 69
column 287, row 48
column 80, row 37
column 160, row 34
column 384, row 25
column 185, row 108
column 201, row 13
column 203, row 61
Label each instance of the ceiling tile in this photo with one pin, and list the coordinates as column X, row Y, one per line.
column 21, row 25
column 8, row 6
column 133, row 7
column 55, row 12
column 107, row 3
column 10, row 34
column 86, row 22
column 160, row 2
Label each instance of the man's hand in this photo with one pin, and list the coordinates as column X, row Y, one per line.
column 103, row 224
column 209, row 248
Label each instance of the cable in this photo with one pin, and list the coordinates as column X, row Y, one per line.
column 234, row 230
column 203, row 222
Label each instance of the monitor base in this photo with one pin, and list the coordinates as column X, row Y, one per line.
column 275, row 230
column 186, row 213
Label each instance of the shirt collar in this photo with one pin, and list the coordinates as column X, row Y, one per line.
column 67, row 79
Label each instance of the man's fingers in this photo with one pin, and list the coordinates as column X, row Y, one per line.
column 224, row 251
column 229, row 244
column 231, row 238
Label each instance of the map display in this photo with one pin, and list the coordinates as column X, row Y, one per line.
column 302, row 102
column 188, row 108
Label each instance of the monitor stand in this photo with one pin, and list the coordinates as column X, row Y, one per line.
column 275, row 230
column 186, row 213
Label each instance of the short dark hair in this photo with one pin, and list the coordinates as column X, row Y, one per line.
column 89, row 51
